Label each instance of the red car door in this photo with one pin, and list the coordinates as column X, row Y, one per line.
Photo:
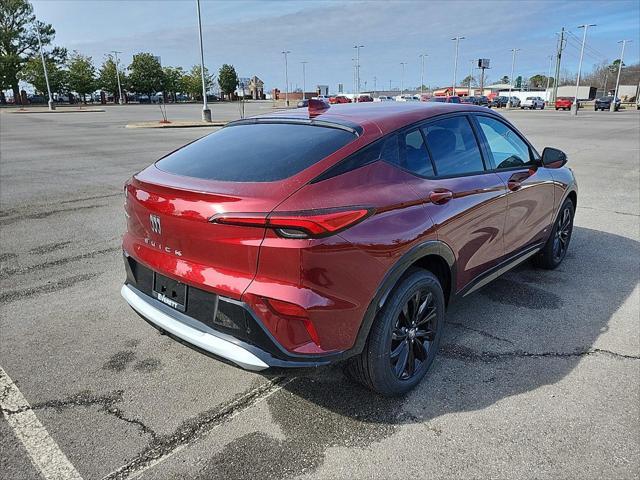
column 465, row 201
column 530, row 197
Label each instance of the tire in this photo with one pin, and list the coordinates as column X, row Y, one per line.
column 542, row 108
column 555, row 249
column 394, row 339
column 557, row 108
column 521, row 108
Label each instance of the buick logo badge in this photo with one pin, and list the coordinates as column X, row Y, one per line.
column 155, row 223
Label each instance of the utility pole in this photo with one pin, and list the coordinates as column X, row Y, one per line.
column 206, row 113
column 455, row 63
column 115, row 54
column 612, row 108
column 375, row 79
column 546, row 92
column 358, row 47
column 389, row 85
column 470, row 77
column 44, row 67
column 513, row 64
column 402, row 78
column 574, row 107
column 556, row 78
column 422, row 55
column 304, row 79
column 286, row 77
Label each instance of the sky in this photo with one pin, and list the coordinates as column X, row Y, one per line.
column 252, row 34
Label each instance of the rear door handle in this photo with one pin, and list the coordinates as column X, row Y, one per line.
column 440, row 197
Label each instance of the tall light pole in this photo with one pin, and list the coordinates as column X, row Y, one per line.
column 44, row 67
column 574, row 107
column 358, row 47
column 115, row 54
column 375, row 79
column 455, row 63
column 206, row 113
column 402, row 78
column 473, row 62
column 304, row 79
column 612, row 108
column 286, row 76
column 422, row 55
column 546, row 92
column 513, row 64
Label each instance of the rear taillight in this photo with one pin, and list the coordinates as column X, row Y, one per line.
column 304, row 224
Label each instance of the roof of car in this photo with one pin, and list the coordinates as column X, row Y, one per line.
column 386, row 116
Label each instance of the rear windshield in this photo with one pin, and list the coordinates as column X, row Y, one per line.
column 261, row 152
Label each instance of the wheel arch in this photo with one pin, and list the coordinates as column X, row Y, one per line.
column 432, row 255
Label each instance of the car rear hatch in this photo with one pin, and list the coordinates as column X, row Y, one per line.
column 238, row 170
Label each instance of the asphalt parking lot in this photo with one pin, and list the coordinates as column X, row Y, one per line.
column 538, row 375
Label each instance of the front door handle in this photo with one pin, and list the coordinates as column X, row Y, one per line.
column 440, row 196
column 515, row 181
column 513, row 185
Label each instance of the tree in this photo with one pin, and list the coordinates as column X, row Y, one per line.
column 33, row 73
column 504, row 79
column 146, row 74
column 192, row 82
column 173, row 80
column 108, row 78
column 518, row 82
column 82, row 75
column 19, row 41
column 227, row 79
column 468, row 81
column 538, row 81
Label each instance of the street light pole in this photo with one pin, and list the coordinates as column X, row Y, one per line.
column 375, row 79
column 402, row 78
column 513, row 64
column 44, row 67
column 358, row 47
column 206, row 113
column 286, row 77
column 470, row 77
column 574, row 107
column 115, row 54
column 455, row 63
column 546, row 92
column 422, row 55
column 304, row 79
column 612, row 108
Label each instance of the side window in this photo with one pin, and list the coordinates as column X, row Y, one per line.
column 453, row 147
column 413, row 154
column 507, row 148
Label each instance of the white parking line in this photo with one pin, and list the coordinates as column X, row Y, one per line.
column 42, row 449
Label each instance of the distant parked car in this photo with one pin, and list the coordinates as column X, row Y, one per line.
column 604, row 103
column 407, row 98
column 383, row 98
column 365, row 98
column 445, row 99
column 565, row 103
column 339, row 99
column 36, row 99
column 499, row 102
column 303, row 103
column 532, row 103
column 515, row 102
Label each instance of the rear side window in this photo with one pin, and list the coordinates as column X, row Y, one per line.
column 260, row 152
column 453, row 147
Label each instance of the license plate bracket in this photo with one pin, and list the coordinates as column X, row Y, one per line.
column 170, row 292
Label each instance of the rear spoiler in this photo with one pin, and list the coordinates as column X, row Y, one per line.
column 339, row 124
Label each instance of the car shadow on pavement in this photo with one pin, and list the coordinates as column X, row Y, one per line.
column 528, row 329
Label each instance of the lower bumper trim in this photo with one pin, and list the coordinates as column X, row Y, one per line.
column 210, row 343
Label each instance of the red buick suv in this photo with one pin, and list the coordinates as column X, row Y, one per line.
column 339, row 233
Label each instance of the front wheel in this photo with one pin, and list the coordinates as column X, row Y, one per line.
column 404, row 337
column 556, row 247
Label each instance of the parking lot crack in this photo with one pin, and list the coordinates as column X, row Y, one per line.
column 106, row 403
column 464, row 353
column 481, row 332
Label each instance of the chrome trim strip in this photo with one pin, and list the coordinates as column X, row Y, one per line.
column 200, row 339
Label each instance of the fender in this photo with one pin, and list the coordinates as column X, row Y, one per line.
column 429, row 247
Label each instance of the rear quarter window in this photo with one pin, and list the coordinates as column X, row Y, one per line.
column 260, row 152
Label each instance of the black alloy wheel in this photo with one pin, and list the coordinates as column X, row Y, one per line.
column 562, row 234
column 413, row 334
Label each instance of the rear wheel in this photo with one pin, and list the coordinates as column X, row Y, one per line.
column 556, row 247
column 404, row 337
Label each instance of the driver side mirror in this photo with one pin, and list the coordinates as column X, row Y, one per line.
column 553, row 157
